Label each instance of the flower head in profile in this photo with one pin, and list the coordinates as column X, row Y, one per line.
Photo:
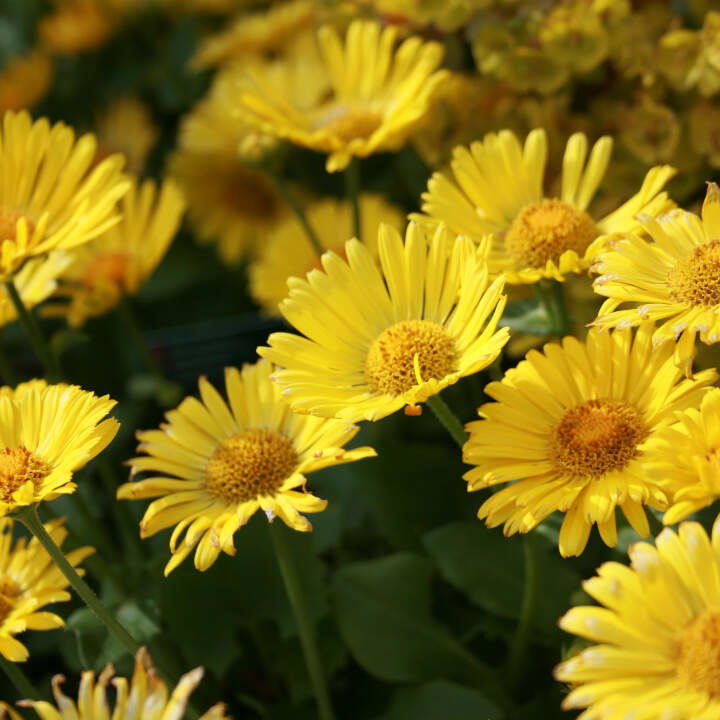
column 569, row 431
column 497, row 187
column 378, row 95
column 47, row 432
column 381, row 337
column 287, row 252
column 122, row 259
column 29, row 580
column 143, row 697
column 54, row 197
column 671, row 279
column 216, row 462
column 657, row 632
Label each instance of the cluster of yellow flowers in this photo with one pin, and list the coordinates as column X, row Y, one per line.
column 385, row 315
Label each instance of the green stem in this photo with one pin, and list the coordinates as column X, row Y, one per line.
column 18, row 678
column 352, row 186
column 291, row 578
column 518, row 656
column 34, row 334
column 293, row 204
column 127, row 316
column 7, row 373
column 447, row 419
column 30, row 519
column 564, row 322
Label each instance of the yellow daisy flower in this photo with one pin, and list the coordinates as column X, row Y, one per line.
column 568, row 431
column 216, row 463
column 380, row 338
column 685, row 459
column 25, row 80
column 287, row 252
column 145, row 696
column 47, row 432
column 658, row 630
column 498, row 189
column 378, row 95
column 51, row 197
column 672, row 280
column 121, row 260
column 29, row 580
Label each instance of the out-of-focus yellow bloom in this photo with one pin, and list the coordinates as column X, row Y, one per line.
column 251, row 34
column 672, row 279
column 29, row 580
column 53, row 197
column 704, row 121
column 447, row 15
column 677, row 54
column 377, row 339
column 24, row 80
column 121, row 260
column 657, row 629
column 498, row 190
column 567, row 433
column 650, row 131
column 287, row 251
column 76, row 26
column 47, row 433
column 144, row 697
column 706, row 73
column 216, row 463
column 379, row 94
column 126, row 126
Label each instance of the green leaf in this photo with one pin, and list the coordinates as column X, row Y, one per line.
column 441, row 699
column 138, row 623
column 489, row 569
column 383, row 610
column 527, row 316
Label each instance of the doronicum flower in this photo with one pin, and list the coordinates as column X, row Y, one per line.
column 381, row 338
column 52, row 197
column 47, row 432
column 287, row 252
column 144, row 697
column 671, row 279
column 378, row 95
column 657, row 629
column 568, row 432
column 498, row 189
column 215, row 463
column 122, row 259
column 29, row 580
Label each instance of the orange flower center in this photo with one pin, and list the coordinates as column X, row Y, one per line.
column 106, row 269
column 348, row 124
column 8, row 224
column 250, row 464
column 596, row 437
column 17, row 466
column 390, row 362
column 698, row 654
column 695, row 279
column 545, row 230
column 9, row 593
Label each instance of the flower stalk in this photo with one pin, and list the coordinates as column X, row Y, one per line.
column 352, row 186
column 447, row 419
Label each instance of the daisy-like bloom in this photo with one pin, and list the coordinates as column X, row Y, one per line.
column 672, row 279
column 568, row 432
column 29, row 580
column 53, row 197
column 24, row 80
column 215, row 463
column 378, row 95
column 143, row 697
column 121, row 260
column 498, row 189
column 658, row 633
column 380, row 337
column 47, row 432
column 288, row 253
column 685, row 459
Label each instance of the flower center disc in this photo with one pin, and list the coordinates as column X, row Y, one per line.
column 9, row 593
column 389, row 366
column 106, row 269
column 17, row 466
column 698, row 654
column 696, row 278
column 545, row 230
column 348, row 124
column 250, row 464
column 8, row 224
column 596, row 437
